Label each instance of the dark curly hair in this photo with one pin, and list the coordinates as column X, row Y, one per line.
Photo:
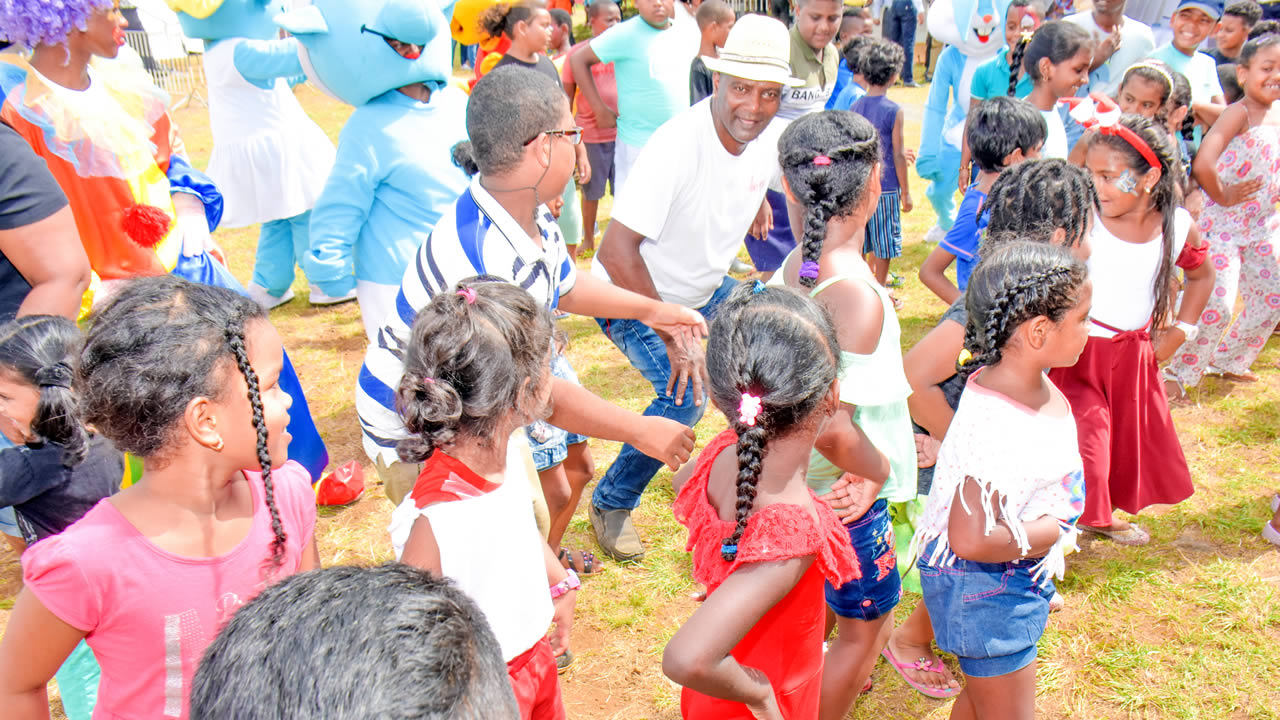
column 880, row 62
column 1166, row 195
column 1033, row 199
column 832, row 189
column 776, row 345
column 469, row 357
column 42, row 350
column 159, row 343
column 1000, row 125
column 498, row 19
column 853, row 51
column 1012, row 284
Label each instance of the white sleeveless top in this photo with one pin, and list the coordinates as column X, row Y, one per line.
column 1124, row 275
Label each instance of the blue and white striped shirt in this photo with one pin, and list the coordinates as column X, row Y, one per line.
column 474, row 237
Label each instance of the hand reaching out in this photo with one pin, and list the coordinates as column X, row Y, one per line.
column 851, row 497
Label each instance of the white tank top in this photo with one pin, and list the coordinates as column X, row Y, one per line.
column 1124, row 274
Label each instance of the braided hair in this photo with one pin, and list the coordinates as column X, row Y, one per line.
column 1016, row 282
column 41, row 351
column 1016, row 52
column 1033, row 199
column 474, row 354
column 827, row 158
column 157, row 345
column 779, row 347
column 1166, row 196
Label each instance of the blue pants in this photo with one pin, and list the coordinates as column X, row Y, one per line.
column 282, row 244
column 901, row 29
column 630, row 473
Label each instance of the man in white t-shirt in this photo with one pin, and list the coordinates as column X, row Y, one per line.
column 696, row 188
column 1121, row 42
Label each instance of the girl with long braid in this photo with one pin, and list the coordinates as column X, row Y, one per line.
column 762, row 542
column 1132, row 457
column 1048, row 201
column 1008, row 483
column 831, row 168
column 186, row 377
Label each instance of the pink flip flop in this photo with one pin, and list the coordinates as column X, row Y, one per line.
column 936, row 667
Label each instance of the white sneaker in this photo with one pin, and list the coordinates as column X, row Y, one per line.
column 260, row 295
column 319, row 298
column 935, row 235
column 1271, row 534
column 1275, row 502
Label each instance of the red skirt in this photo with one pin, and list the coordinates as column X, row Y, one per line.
column 536, row 683
column 1132, row 458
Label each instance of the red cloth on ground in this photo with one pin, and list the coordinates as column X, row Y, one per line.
column 536, row 683
column 785, row 644
column 1132, row 458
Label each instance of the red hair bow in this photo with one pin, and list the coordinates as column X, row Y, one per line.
column 1101, row 113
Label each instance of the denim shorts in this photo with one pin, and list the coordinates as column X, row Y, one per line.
column 550, row 444
column 879, row 589
column 990, row 615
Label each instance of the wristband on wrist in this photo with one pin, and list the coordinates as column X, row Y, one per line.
column 569, row 583
column 1188, row 329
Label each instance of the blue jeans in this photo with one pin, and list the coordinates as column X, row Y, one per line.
column 901, row 29
column 879, row 589
column 630, row 473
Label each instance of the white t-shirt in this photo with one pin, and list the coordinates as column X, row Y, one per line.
column 693, row 202
column 1124, row 275
column 489, row 545
column 1136, row 42
column 1031, row 458
column 1055, row 143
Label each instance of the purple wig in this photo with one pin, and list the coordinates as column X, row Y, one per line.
column 34, row 22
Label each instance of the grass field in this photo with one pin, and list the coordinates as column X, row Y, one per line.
column 1188, row 627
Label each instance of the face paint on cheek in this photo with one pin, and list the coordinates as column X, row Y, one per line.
column 1127, row 183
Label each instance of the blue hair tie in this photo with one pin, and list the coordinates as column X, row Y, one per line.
column 757, row 288
column 726, row 548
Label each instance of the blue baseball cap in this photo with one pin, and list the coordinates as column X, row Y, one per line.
column 1208, row 7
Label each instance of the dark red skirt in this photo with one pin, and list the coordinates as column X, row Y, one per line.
column 1132, row 458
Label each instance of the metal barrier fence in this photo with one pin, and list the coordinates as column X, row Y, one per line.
column 181, row 76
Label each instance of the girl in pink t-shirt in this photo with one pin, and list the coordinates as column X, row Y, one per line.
column 185, row 377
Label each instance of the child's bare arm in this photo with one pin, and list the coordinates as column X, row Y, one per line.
column 580, row 64
column 1205, row 167
column 931, row 361
column 421, row 549
column 933, row 274
column 966, row 529
column 697, row 656
column 579, row 410
column 36, row 642
column 900, row 163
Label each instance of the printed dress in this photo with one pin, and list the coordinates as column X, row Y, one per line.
column 785, row 644
column 1242, row 248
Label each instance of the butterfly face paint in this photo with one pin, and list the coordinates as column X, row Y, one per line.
column 1127, row 182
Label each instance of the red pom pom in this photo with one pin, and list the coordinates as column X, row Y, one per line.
column 146, row 225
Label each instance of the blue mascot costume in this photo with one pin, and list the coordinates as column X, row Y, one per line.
column 394, row 174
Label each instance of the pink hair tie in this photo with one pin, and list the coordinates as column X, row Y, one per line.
column 822, row 160
column 468, row 294
column 749, row 409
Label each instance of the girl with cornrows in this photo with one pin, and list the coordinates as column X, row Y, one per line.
column 186, row 377
column 831, row 169
column 1047, row 201
column 1007, row 488
column 762, row 542
column 1132, row 458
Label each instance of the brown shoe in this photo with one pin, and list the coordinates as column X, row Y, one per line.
column 616, row 535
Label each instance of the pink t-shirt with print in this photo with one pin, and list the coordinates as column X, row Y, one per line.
column 149, row 614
